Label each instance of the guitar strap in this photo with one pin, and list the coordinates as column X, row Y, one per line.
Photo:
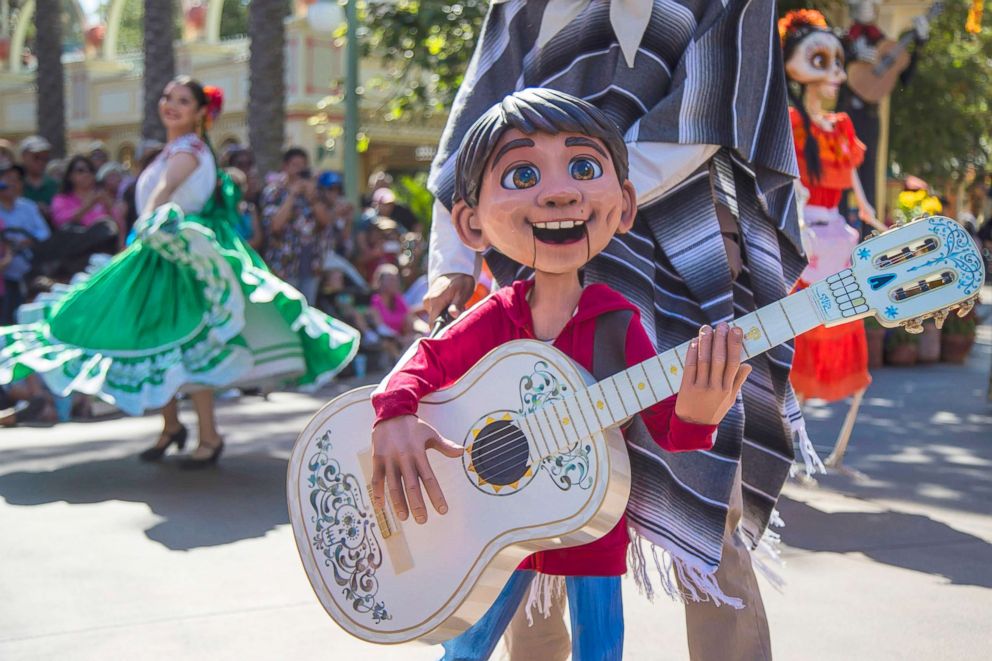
column 654, row 510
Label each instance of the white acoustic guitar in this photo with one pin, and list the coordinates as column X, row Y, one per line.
column 545, row 465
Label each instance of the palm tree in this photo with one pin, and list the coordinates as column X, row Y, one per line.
column 160, row 62
column 266, row 89
column 50, row 79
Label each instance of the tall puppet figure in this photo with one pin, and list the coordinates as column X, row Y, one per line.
column 875, row 66
column 698, row 92
column 830, row 363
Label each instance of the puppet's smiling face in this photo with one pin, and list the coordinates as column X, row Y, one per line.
column 818, row 63
column 551, row 202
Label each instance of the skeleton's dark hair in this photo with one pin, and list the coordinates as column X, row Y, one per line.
column 531, row 111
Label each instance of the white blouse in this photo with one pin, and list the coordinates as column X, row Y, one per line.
column 193, row 193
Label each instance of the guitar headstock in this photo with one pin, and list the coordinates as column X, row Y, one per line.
column 920, row 270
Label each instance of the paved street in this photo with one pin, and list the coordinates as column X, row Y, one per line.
column 102, row 557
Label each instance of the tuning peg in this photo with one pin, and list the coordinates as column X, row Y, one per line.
column 940, row 316
column 966, row 307
column 914, row 326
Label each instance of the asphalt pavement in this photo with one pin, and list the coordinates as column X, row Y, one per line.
column 104, row 557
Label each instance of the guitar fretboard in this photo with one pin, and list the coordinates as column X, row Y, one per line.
column 562, row 424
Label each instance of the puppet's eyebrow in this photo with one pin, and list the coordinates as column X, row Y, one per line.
column 512, row 144
column 584, row 142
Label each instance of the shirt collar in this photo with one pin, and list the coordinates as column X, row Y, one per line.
column 629, row 18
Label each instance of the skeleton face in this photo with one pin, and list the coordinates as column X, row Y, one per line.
column 818, row 63
column 864, row 11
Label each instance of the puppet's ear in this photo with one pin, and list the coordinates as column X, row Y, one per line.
column 468, row 226
column 629, row 210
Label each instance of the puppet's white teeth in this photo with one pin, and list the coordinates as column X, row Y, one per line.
column 552, row 226
column 567, row 224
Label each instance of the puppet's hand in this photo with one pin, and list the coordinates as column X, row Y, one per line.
column 713, row 375
column 400, row 464
column 448, row 293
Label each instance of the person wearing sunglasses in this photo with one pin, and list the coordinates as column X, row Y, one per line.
column 81, row 201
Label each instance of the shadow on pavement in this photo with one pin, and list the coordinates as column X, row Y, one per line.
column 910, row 541
column 244, row 497
column 922, row 435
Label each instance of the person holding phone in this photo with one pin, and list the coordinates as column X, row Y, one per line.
column 298, row 225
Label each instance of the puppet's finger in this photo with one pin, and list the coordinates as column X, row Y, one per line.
column 705, row 351
column 691, row 365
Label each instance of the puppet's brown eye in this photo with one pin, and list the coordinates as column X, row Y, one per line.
column 819, row 61
column 585, row 168
column 522, row 176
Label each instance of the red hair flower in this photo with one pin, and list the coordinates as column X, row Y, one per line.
column 215, row 102
column 798, row 18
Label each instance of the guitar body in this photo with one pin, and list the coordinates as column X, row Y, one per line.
column 873, row 82
column 387, row 581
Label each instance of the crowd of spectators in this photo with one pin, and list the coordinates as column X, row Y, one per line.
column 366, row 267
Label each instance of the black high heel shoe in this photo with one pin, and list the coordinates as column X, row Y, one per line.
column 156, row 452
column 192, row 463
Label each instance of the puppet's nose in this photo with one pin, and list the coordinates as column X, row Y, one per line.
column 559, row 197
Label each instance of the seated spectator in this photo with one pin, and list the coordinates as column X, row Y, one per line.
column 384, row 203
column 390, row 313
column 36, row 152
column 98, row 154
column 379, row 245
column 249, row 225
column 81, row 201
column 297, row 225
column 23, row 228
column 110, row 179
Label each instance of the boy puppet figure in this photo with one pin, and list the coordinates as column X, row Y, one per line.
column 542, row 178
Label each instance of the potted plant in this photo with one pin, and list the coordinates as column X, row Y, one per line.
column 957, row 338
column 875, row 334
column 901, row 347
column 929, row 347
column 911, row 204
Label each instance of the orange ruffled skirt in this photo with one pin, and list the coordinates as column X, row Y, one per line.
column 830, row 363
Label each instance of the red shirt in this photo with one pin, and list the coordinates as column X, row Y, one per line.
column 840, row 154
column 506, row 316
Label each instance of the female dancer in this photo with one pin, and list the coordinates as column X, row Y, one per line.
column 187, row 305
column 830, row 363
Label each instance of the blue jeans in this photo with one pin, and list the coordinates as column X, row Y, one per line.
column 594, row 604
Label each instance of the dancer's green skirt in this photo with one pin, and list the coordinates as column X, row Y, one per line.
column 188, row 303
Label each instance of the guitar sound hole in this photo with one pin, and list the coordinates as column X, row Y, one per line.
column 500, row 453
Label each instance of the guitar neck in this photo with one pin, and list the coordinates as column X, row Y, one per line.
column 562, row 424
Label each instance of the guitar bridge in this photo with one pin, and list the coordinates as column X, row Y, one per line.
column 381, row 517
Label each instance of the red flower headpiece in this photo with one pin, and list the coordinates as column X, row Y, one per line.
column 215, row 102
column 798, row 18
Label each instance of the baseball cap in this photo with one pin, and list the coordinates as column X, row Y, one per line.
column 329, row 179
column 383, row 196
column 96, row 145
column 107, row 168
column 35, row 144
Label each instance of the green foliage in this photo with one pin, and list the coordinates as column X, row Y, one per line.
column 425, row 45
column 898, row 337
column 234, row 19
column 942, row 120
column 412, row 193
column 955, row 325
column 871, row 323
column 130, row 38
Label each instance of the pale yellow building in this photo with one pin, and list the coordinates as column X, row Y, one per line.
column 104, row 93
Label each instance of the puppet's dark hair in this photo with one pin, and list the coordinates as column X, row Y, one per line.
column 793, row 28
column 531, row 111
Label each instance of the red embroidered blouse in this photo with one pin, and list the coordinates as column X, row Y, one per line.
column 840, row 153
